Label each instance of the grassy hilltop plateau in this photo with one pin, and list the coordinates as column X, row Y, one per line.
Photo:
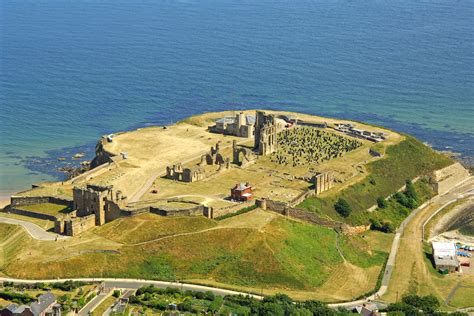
column 330, row 245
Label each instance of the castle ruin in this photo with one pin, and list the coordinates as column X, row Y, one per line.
column 198, row 172
column 265, row 133
column 240, row 125
column 323, row 182
column 93, row 205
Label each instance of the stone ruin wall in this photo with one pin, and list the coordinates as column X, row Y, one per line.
column 192, row 211
column 29, row 200
column 79, row 225
column 19, row 211
column 323, row 182
column 216, row 212
column 444, row 179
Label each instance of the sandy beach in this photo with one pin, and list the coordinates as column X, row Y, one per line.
column 4, row 201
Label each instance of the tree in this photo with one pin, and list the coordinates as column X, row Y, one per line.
column 410, row 191
column 428, row 304
column 318, row 308
column 116, row 293
column 388, row 227
column 342, row 207
column 381, row 202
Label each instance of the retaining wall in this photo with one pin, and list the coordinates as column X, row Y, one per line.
column 230, row 209
column 18, row 211
column 29, row 200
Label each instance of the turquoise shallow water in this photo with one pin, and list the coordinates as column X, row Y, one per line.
column 72, row 71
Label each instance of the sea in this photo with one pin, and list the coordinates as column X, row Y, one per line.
column 72, row 71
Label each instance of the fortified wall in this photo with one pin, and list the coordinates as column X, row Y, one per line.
column 444, row 179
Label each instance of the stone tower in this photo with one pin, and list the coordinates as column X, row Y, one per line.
column 265, row 133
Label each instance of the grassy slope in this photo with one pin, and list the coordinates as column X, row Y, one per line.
column 403, row 161
column 12, row 240
column 276, row 254
column 146, row 227
column 395, row 212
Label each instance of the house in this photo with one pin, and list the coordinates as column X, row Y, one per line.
column 46, row 306
column 367, row 309
column 444, row 255
column 16, row 310
column 241, row 192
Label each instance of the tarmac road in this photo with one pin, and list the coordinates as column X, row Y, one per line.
column 34, row 230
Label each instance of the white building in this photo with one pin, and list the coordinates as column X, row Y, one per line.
column 444, row 254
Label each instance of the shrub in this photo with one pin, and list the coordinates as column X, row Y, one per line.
column 342, row 207
column 410, row 191
column 381, row 202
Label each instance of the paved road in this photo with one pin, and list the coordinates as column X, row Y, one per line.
column 34, row 230
column 92, row 304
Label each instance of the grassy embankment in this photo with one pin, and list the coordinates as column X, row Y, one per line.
column 406, row 160
column 147, row 227
column 12, row 240
column 256, row 251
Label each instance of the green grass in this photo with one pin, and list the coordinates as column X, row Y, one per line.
column 10, row 248
column 146, row 227
column 406, row 160
column 284, row 254
column 357, row 251
column 46, row 208
column 463, row 297
column 312, row 249
column 6, row 230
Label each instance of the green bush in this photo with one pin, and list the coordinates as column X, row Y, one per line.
column 381, row 202
column 18, row 298
column 342, row 207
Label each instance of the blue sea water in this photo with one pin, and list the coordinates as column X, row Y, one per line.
column 71, row 71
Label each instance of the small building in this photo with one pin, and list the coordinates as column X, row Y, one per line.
column 444, row 255
column 241, row 192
